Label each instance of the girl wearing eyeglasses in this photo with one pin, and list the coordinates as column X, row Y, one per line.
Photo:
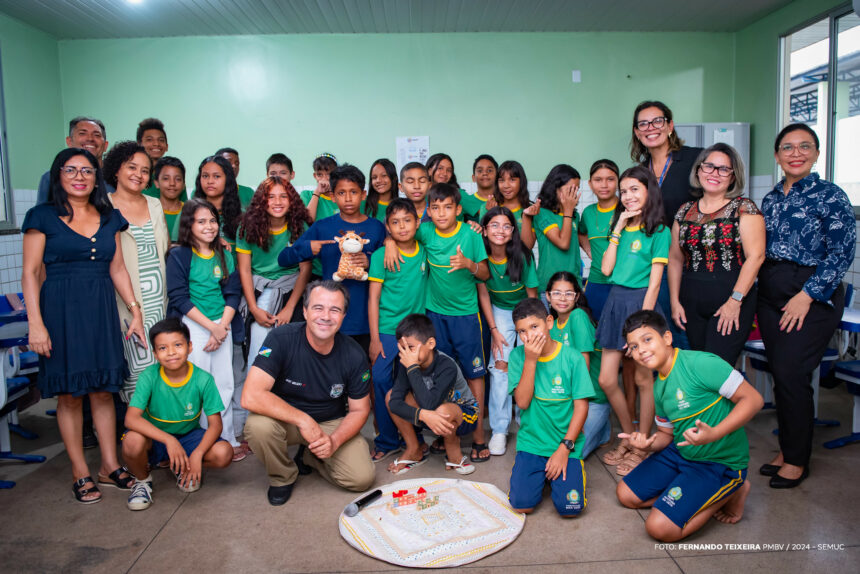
column 574, row 327
column 513, row 277
column 716, row 252
column 810, row 245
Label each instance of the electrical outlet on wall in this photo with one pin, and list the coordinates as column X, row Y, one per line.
column 576, row 76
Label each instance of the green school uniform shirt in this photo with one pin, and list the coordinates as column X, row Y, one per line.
column 403, row 292
column 578, row 334
column 204, row 283
column 452, row 294
column 699, row 387
column 560, row 379
column 175, row 407
column 596, row 224
column 172, row 220
column 637, row 253
column 551, row 258
column 265, row 263
column 471, row 205
column 503, row 293
column 246, row 194
column 325, row 207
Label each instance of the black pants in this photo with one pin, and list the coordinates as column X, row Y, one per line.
column 792, row 357
column 701, row 295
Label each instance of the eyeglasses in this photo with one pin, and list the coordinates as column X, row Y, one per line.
column 723, row 170
column 656, row 123
column 805, row 148
column 562, row 294
column 503, row 226
column 71, row 171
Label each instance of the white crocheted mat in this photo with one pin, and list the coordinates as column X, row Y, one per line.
column 435, row 523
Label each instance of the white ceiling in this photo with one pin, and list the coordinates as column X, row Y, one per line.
column 78, row 19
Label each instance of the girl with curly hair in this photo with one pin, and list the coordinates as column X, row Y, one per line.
column 275, row 218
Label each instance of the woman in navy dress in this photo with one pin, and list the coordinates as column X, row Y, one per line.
column 73, row 320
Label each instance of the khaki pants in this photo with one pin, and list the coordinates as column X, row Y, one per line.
column 349, row 467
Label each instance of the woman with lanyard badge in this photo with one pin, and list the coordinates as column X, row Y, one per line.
column 810, row 245
column 656, row 145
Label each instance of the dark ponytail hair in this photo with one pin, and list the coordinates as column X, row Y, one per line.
column 371, row 205
column 515, row 170
column 581, row 300
column 652, row 214
column 57, row 194
column 231, row 208
column 434, row 160
column 517, row 254
column 185, row 237
column 557, row 177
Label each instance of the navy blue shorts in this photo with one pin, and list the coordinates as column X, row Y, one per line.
column 460, row 338
column 683, row 488
column 529, row 477
column 189, row 442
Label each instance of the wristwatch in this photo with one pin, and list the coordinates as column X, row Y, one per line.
column 569, row 444
column 738, row 296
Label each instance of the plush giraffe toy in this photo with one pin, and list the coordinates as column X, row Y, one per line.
column 349, row 243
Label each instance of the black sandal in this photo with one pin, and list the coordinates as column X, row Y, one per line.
column 81, row 492
column 438, row 446
column 478, row 447
column 114, row 479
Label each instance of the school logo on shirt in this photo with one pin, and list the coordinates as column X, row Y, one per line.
column 635, row 246
column 189, row 410
column 556, row 385
column 573, row 496
column 265, row 352
column 423, row 267
column 565, row 341
column 336, row 390
column 216, row 271
column 365, row 376
column 477, row 362
column 682, row 404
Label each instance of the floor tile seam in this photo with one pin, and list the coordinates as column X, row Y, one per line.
column 156, row 535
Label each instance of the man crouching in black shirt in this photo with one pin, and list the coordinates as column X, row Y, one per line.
column 297, row 392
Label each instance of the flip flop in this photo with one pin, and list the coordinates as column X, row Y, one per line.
column 410, row 464
column 437, row 447
column 462, row 468
column 478, row 447
column 379, row 455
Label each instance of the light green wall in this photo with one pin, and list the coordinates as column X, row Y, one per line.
column 757, row 75
column 31, row 88
column 510, row 95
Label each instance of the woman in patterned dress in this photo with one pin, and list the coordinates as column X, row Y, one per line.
column 144, row 244
column 717, row 250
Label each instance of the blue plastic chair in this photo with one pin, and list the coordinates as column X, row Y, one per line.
column 849, row 371
column 14, row 382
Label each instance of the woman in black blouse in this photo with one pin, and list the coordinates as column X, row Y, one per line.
column 717, row 249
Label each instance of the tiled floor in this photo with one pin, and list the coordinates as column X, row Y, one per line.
column 228, row 526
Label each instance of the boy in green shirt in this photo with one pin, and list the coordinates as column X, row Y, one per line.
column 484, row 171
column 700, row 466
column 457, row 261
column 550, row 385
column 246, row 194
column 169, row 178
column 415, row 183
column 163, row 417
column 392, row 296
column 319, row 201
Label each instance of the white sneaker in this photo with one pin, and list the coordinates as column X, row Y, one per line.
column 141, row 495
column 193, row 486
column 498, row 444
